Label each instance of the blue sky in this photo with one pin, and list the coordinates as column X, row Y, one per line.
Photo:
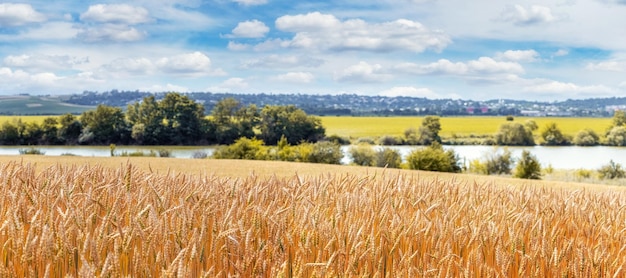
column 487, row 49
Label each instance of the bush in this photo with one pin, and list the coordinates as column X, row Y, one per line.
column 199, row 155
column 325, row 152
column 515, row 134
column 528, row 167
column 32, row 151
column 138, row 154
column 499, row 163
column 478, row 167
column 611, row 171
column 434, row 158
column 387, row 157
column 165, row 153
column 552, row 136
column 582, row 174
column 616, row 136
column 363, row 155
column 243, row 148
column 366, row 140
column 338, row 139
column 388, row 140
column 586, row 137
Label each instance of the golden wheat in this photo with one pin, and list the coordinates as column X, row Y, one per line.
column 94, row 221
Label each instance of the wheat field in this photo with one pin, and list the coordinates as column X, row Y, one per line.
column 79, row 220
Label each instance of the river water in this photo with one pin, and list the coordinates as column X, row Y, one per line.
column 569, row 157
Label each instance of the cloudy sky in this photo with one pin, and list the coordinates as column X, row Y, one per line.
column 484, row 49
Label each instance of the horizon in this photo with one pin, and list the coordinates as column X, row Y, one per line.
column 516, row 50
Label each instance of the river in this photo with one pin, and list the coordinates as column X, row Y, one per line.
column 569, row 157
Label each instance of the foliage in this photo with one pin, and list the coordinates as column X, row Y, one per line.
column 389, row 140
column 338, row 139
column 434, row 158
column 231, row 120
column 477, row 166
column 363, row 154
column 612, row 170
column 586, row 137
column 616, row 136
column 243, row 148
column 499, row 163
column 528, row 167
column 552, row 135
column 291, row 122
column 31, row 151
column 514, row 134
column 510, row 118
column 389, row 158
column 426, row 134
column 582, row 174
column 103, row 126
column 325, row 152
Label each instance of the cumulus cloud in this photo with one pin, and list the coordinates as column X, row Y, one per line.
column 520, row 15
column 187, row 64
column 296, row 77
column 484, row 65
column 249, row 29
column 617, row 66
column 116, row 14
column 283, row 61
column 519, row 55
column 362, row 72
column 234, row 84
column 250, row 2
column 326, row 32
column 551, row 86
column 166, row 88
column 195, row 62
column 43, row 62
column 409, row 91
column 132, row 66
column 12, row 15
column 111, row 32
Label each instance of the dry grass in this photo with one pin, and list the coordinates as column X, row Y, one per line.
column 94, row 220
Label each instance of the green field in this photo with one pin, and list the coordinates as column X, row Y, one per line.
column 31, row 105
column 356, row 127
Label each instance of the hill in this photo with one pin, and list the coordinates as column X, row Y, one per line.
column 38, row 105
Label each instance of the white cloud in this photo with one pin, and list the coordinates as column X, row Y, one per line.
column 551, row 86
column 130, row 66
column 519, row 55
column 622, row 84
column 230, row 85
column 283, row 61
column 250, row 2
column 326, row 32
column 362, row 72
column 616, row 66
column 111, row 32
column 18, row 14
column 43, row 62
column 116, row 14
column 296, row 77
column 484, row 65
column 249, row 29
column 520, row 15
column 409, row 92
column 195, row 62
column 166, row 88
column 46, row 31
column 235, row 46
column 561, row 52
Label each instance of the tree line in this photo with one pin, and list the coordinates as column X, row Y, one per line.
column 173, row 120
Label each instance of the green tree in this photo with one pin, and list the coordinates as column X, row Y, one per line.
column 427, row 133
column 434, row 158
column 243, row 148
column 147, row 121
column 388, row 157
column 528, row 167
column 183, row 118
column 499, row 163
column 231, row 120
column 325, row 152
column 291, row 122
column 514, row 134
column 9, row 134
column 619, row 118
column 586, row 137
column 552, row 135
column 104, row 125
column 611, row 171
column 50, row 131
column 69, row 130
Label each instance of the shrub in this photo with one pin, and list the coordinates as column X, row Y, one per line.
column 586, row 137
column 582, row 174
column 325, row 152
column 434, row 158
column 552, row 135
column 499, row 163
column 338, row 139
column 363, row 155
column 528, row 167
column 243, row 148
column 477, row 166
column 509, row 118
column 616, row 136
column 387, row 157
column 165, row 153
column 611, row 171
column 32, row 151
column 515, row 134
column 199, row 155
column 388, row 140
column 366, row 140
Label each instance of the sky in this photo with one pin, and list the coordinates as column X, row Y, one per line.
column 547, row 50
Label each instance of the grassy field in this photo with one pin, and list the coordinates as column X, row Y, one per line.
column 356, row 127
column 155, row 217
column 31, row 105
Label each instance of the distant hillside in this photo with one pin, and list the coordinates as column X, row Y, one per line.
column 38, row 105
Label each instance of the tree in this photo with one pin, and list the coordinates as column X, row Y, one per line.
column 586, row 137
column 616, row 136
column 243, row 148
column 70, row 129
column 611, row 171
column 426, row 134
column 325, row 152
column 291, row 122
column 499, row 163
column 183, row 118
column 104, row 125
column 514, row 134
column 231, row 120
column 528, row 167
column 552, row 135
column 434, row 158
column 619, row 118
column 388, row 157
column 147, row 121
column 50, row 131
column 363, row 155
